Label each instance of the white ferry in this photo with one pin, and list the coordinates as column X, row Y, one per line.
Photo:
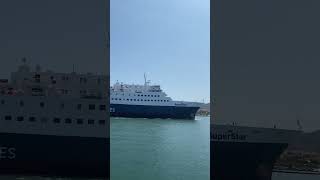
column 147, row 101
column 54, row 124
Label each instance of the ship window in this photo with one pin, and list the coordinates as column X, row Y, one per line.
column 79, row 121
column 56, row 120
column 68, row 121
column 148, row 99
column 90, row 121
column 120, row 99
column 20, row 118
column 148, row 95
column 79, row 106
column 102, row 122
column 21, row 103
column 130, row 99
column 32, row 119
column 7, row 117
column 44, row 120
column 151, row 95
column 92, row 107
column 134, row 99
column 127, row 99
column 103, row 107
column 116, row 98
column 42, row 104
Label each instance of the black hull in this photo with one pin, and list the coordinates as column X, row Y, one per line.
column 162, row 112
column 57, row 156
column 243, row 161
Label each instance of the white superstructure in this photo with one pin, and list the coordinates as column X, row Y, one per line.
column 149, row 95
column 48, row 103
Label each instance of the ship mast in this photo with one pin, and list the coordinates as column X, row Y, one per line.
column 298, row 121
column 145, row 79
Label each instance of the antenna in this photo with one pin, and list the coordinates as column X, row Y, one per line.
column 298, row 121
column 145, row 79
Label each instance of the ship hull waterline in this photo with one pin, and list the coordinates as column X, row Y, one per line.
column 55, row 156
column 152, row 112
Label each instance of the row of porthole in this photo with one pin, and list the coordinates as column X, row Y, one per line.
column 142, row 95
column 79, row 106
column 56, row 120
column 158, row 100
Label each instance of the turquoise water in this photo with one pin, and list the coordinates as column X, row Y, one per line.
column 157, row 149
column 160, row 149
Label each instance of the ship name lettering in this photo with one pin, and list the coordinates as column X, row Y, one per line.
column 228, row 136
column 7, row 152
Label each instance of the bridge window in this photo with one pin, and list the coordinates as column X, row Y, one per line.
column 79, row 121
column 92, row 107
column 90, row 121
column 20, row 118
column 102, row 107
column 32, row 119
column 44, row 120
column 56, row 120
column 68, row 121
column 102, row 122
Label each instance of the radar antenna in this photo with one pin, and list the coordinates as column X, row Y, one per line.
column 146, row 81
column 298, row 122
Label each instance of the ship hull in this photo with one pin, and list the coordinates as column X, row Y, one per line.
column 243, row 160
column 162, row 112
column 58, row 156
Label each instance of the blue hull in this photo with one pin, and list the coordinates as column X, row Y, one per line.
column 44, row 155
column 239, row 160
column 162, row 112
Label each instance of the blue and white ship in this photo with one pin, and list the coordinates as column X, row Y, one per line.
column 244, row 152
column 147, row 101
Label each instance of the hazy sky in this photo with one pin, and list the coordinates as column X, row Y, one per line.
column 53, row 33
column 168, row 39
column 268, row 62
